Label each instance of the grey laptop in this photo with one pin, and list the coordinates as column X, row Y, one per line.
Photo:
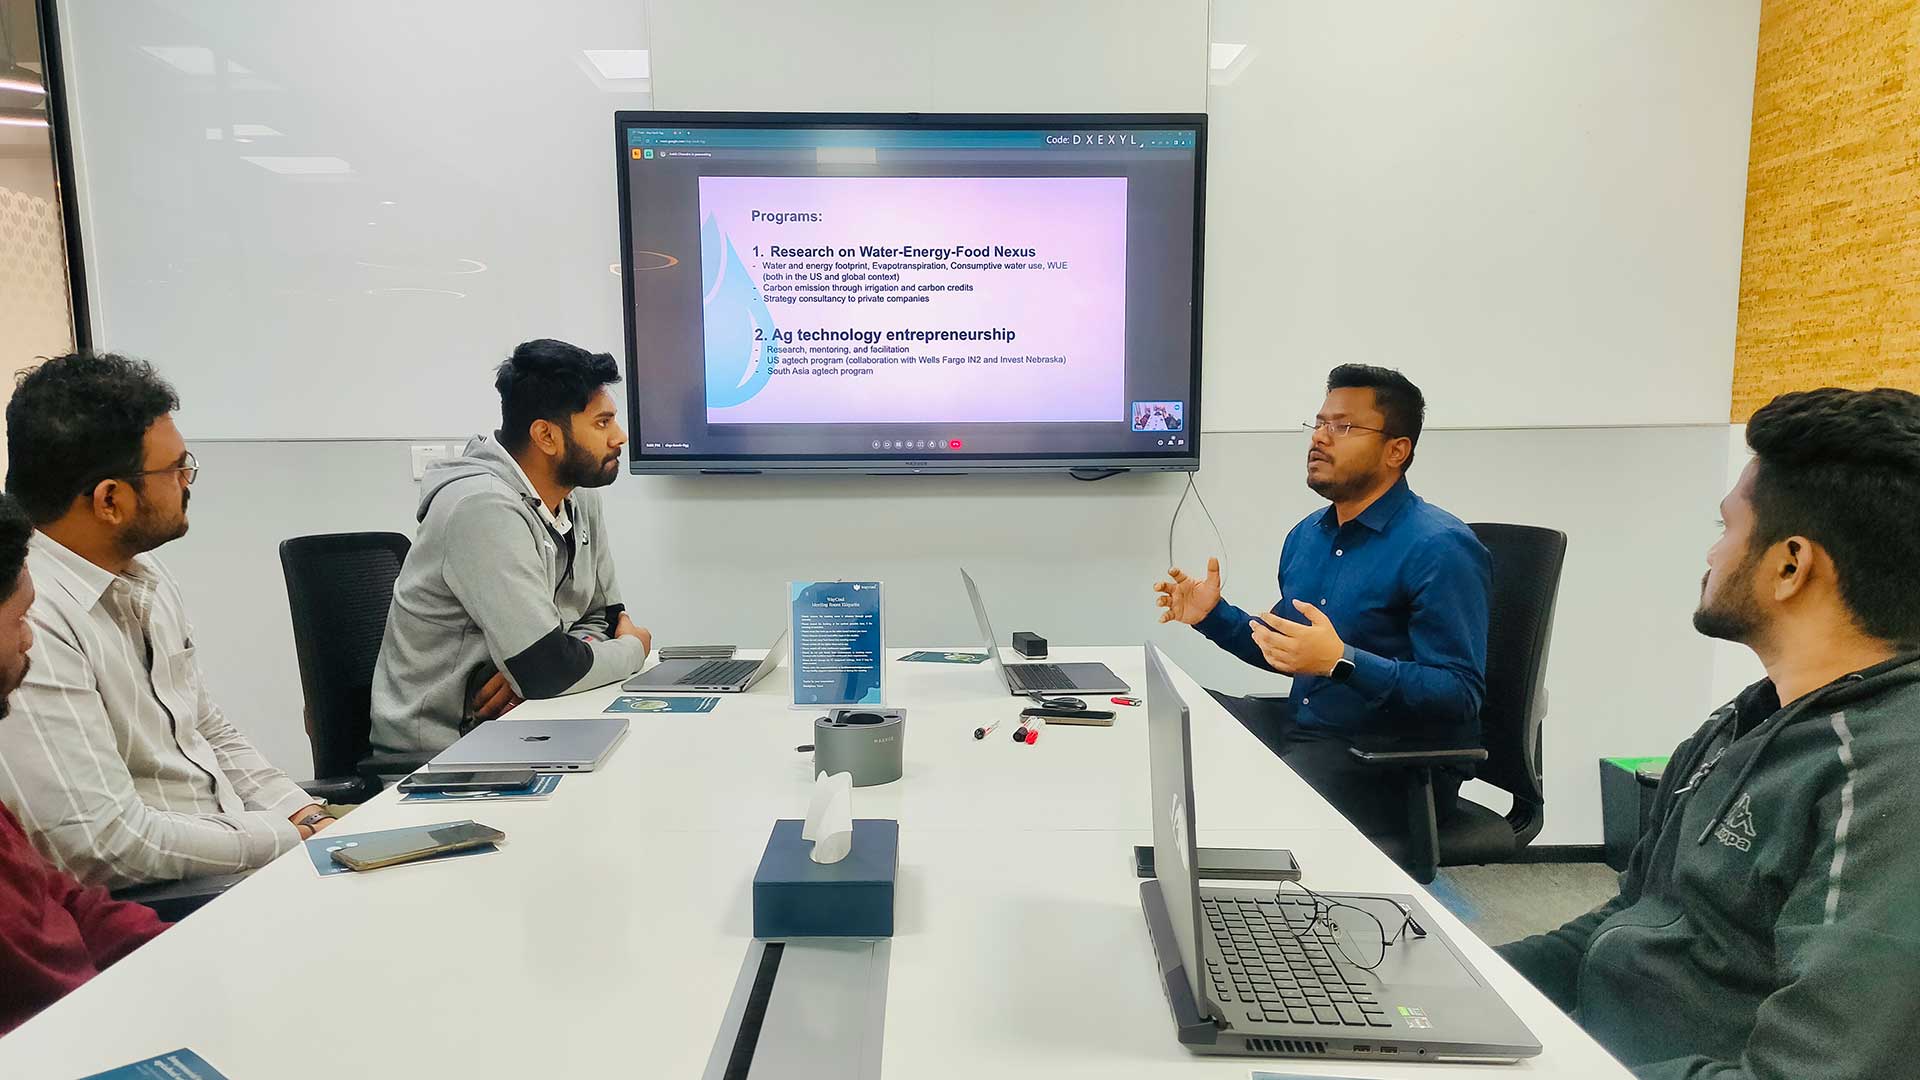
column 1239, row 984
column 708, row 676
column 1025, row 679
column 541, row 745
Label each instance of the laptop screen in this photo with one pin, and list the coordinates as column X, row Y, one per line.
column 1170, row 761
column 986, row 628
column 771, row 660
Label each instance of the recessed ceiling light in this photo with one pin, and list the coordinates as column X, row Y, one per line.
column 1222, row 54
column 620, row 63
column 302, row 166
column 253, row 131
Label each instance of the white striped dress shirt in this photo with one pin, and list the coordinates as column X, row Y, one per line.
column 115, row 758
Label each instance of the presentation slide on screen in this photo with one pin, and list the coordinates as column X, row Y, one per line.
column 893, row 299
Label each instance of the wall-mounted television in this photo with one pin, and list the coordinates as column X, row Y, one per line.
column 911, row 293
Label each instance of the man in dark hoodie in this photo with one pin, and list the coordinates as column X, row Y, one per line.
column 509, row 590
column 1768, row 924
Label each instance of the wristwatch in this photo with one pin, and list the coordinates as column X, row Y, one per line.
column 1343, row 667
column 309, row 821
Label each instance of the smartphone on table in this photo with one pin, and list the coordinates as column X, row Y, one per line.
column 402, row 846
column 492, row 780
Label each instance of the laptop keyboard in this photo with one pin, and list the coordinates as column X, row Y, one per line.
column 1278, row 978
column 718, row 673
column 1039, row 677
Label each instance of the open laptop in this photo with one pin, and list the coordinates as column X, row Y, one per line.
column 540, row 745
column 708, row 676
column 1237, row 984
column 1024, row 679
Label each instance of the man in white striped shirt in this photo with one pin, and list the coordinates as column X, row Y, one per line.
column 117, row 761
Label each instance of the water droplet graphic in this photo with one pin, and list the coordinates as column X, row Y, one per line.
column 738, row 365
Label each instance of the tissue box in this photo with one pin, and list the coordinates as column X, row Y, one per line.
column 793, row 896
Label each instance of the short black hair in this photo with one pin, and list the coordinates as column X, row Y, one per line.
column 547, row 380
column 1842, row 468
column 15, row 530
column 76, row 420
column 1401, row 402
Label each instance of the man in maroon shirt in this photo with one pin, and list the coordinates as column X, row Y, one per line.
column 54, row 932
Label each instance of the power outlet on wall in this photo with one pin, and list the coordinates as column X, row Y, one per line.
column 425, row 454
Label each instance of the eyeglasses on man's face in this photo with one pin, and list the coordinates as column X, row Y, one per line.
column 188, row 469
column 1339, row 429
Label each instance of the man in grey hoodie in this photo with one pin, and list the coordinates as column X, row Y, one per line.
column 509, row 590
column 1768, row 925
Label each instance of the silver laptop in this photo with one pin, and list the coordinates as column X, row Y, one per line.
column 1026, row 679
column 1239, row 981
column 541, row 745
column 708, row 676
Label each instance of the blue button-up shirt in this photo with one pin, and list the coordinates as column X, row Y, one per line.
column 1405, row 585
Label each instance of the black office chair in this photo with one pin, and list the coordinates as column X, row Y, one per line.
column 339, row 588
column 1526, row 583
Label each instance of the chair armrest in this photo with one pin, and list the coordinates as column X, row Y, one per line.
column 1405, row 759
column 338, row 790
column 379, row 769
column 175, row 900
column 393, row 764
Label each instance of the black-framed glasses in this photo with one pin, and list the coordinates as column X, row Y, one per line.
column 189, row 470
column 1339, row 429
column 1357, row 933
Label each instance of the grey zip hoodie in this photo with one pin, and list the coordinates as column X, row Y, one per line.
column 1768, row 925
column 489, row 586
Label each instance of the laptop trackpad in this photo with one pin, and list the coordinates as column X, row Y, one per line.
column 1412, row 961
column 1424, row 962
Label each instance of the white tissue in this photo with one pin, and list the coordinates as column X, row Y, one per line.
column 830, row 817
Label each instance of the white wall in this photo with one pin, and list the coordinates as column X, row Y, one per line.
column 1534, row 209
column 885, row 56
column 288, row 202
column 1537, row 215
column 1493, row 194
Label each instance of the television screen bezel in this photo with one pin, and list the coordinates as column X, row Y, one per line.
column 1080, row 463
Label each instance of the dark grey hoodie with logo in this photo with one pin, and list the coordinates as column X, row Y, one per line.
column 1768, row 925
column 488, row 586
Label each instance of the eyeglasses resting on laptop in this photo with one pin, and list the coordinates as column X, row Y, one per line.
column 1358, row 933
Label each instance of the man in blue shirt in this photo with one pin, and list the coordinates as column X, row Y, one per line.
column 1382, row 619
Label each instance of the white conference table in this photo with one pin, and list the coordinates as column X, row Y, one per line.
column 605, row 937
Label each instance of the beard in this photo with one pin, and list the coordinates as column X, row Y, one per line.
column 580, row 469
column 1732, row 614
column 149, row 530
column 9, row 682
column 1339, row 485
column 1338, row 489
